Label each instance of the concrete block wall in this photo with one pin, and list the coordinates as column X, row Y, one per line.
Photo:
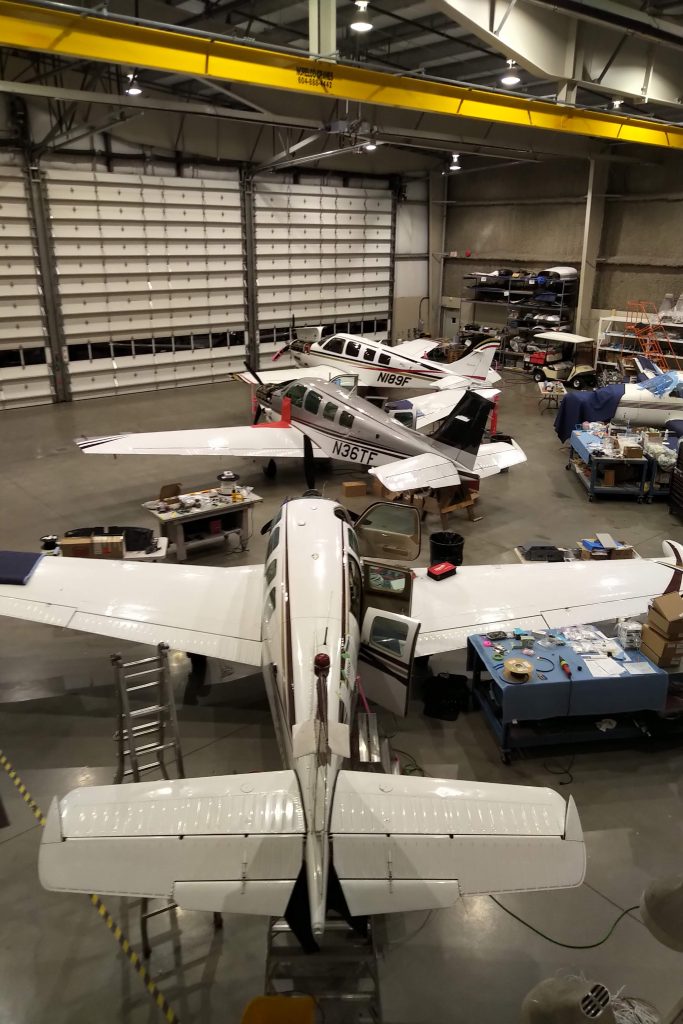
column 532, row 214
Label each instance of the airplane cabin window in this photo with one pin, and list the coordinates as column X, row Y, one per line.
column 369, row 355
column 270, row 605
column 271, row 569
column 353, row 541
column 312, row 402
column 346, row 419
column 352, row 349
column 384, row 359
column 296, row 394
column 389, row 635
column 330, row 411
column 273, row 541
column 335, row 345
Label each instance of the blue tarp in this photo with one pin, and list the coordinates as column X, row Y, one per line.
column 595, row 406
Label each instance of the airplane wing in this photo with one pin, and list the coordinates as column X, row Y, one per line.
column 480, row 598
column 428, row 470
column 263, row 440
column 414, row 843
column 197, row 608
column 497, row 455
column 416, row 349
column 455, row 380
column 241, row 849
column 287, row 373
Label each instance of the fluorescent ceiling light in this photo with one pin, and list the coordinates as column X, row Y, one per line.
column 361, row 22
column 616, row 103
column 370, row 146
column 455, row 166
column 510, row 77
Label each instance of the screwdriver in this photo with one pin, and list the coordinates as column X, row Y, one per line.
column 565, row 668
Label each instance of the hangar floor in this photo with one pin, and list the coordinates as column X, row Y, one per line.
column 473, row 962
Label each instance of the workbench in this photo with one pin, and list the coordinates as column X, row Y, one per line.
column 587, row 446
column 552, row 393
column 551, row 694
column 215, row 517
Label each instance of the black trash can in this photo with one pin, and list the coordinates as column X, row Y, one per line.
column 446, row 695
column 446, row 547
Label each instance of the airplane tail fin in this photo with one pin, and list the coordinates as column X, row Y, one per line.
column 464, row 428
column 477, row 363
column 421, row 843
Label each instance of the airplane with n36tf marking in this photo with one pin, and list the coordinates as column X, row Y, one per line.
column 384, row 367
column 321, row 419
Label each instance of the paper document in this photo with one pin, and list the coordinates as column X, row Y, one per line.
column 639, row 668
column 604, row 667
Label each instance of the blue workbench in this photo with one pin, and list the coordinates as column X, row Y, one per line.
column 556, row 696
column 586, row 444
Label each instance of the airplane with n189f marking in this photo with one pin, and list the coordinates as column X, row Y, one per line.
column 326, row 620
column 385, row 367
column 321, row 419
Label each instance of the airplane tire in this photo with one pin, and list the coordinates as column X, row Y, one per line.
column 270, row 469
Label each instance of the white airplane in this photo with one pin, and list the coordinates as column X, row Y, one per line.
column 323, row 621
column 376, row 365
column 654, row 401
column 321, row 419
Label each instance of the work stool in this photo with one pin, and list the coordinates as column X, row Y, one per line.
column 147, row 740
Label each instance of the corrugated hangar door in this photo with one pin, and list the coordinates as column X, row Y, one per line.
column 323, row 256
column 150, row 277
column 25, row 359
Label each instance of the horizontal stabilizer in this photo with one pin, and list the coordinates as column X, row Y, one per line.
column 230, row 843
column 428, row 470
column 408, row 843
column 498, row 455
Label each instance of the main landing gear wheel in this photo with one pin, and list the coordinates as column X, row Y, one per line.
column 270, row 469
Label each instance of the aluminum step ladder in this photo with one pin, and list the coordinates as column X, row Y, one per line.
column 145, row 736
column 342, row 977
column 150, row 731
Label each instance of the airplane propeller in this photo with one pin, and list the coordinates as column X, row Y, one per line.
column 282, row 351
column 309, row 463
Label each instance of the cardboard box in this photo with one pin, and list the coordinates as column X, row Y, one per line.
column 76, row 547
column 661, row 660
column 609, row 478
column 625, row 551
column 629, row 450
column 354, row 488
column 108, row 547
column 668, row 651
column 666, row 615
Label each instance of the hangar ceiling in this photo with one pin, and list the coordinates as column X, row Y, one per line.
column 76, row 100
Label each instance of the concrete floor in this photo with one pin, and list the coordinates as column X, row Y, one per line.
column 471, row 963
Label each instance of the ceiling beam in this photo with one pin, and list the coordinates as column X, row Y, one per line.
column 77, row 32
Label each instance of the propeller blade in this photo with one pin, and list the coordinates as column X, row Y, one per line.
column 309, row 463
column 252, row 371
column 281, row 351
column 258, row 413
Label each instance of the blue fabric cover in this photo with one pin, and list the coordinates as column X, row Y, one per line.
column 595, row 406
column 18, row 566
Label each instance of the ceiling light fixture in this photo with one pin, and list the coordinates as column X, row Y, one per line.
column 370, row 146
column 133, row 86
column 510, row 77
column 455, row 166
column 361, row 22
column 616, row 103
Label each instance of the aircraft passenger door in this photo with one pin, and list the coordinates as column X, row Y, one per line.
column 387, row 649
column 389, row 529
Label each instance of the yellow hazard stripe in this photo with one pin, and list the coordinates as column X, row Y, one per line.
column 123, row 943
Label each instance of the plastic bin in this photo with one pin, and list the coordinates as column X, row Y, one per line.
column 446, row 547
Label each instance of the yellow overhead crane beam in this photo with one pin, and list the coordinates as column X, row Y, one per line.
column 98, row 37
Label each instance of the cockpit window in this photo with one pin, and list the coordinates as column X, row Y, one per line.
column 334, row 345
column 353, row 541
column 369, row 355
column 330, row 411
column 346, row 419
column 352, row 349
column 312, row 402
column 273, row 541
column 296, row 394
column 384, row 359
column 356, row 589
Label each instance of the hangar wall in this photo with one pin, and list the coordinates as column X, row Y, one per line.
column 532, row 214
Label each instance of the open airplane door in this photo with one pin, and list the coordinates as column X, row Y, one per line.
column 386, row 654
column 389, row 530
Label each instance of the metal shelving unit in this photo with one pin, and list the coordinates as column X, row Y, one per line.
column 615, row 341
